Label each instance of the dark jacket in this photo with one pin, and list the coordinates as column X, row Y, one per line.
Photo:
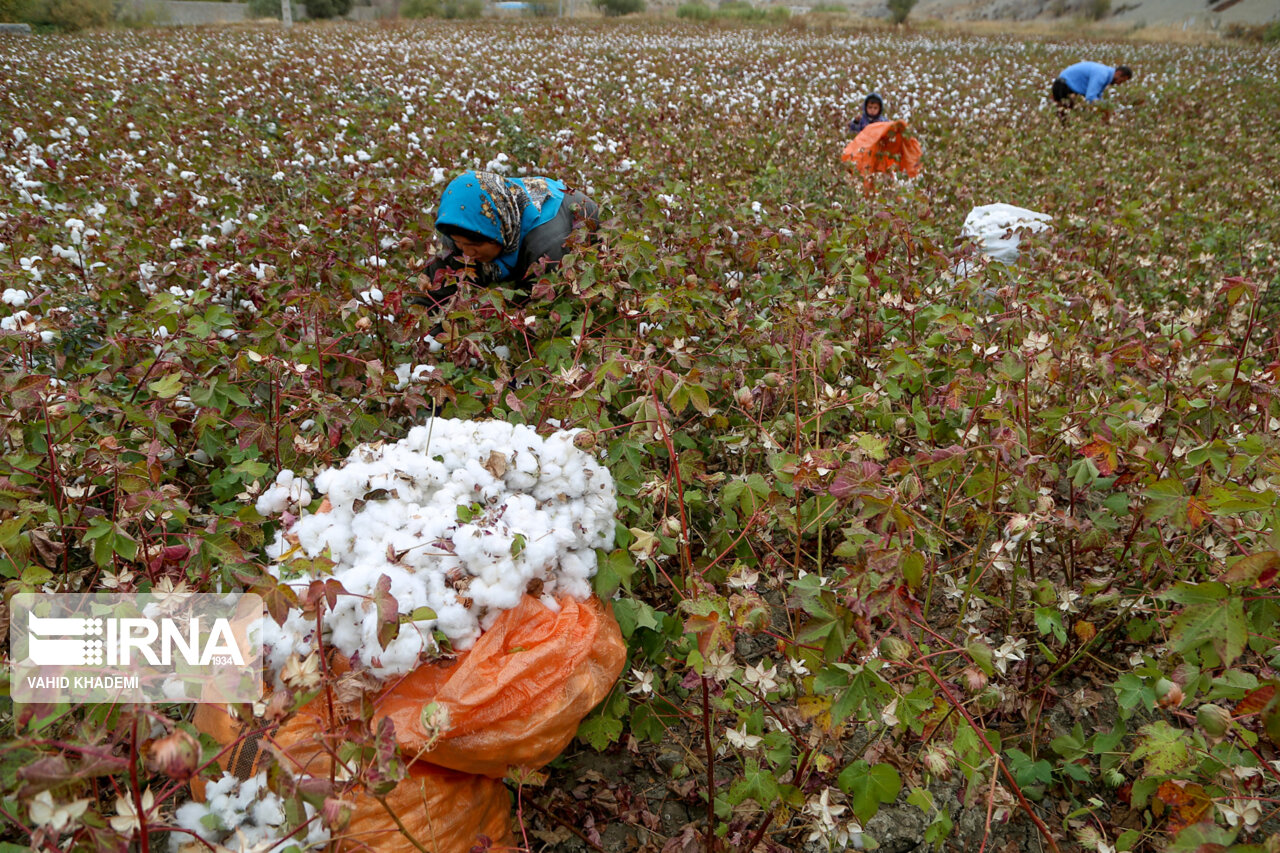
column 858, row 124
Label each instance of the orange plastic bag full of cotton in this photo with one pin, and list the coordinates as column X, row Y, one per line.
column 884, row 146
column 483, row 532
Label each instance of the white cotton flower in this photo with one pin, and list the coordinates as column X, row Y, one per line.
column 763, row 679
column 644, row 683
column 1010, row 650
column 719, row 666
column 57, row 817
column 741, row 740
column 287, row 492
column 499, row 165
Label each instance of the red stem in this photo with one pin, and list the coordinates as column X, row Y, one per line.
column 1013, row 784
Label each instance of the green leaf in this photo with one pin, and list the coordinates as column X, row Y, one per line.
column 778, row 749
column 757, row 783
column 1069, row 745
column 698, row 396
column 1196, row 593
column 912, row 567
column 1220, row 626
column 940, row 829
column 36, row 576
column 647, row 725
column 874, row 446
column 1028, row 772
column 678, row 398
column 632, row 614
column 921, row 799
column 1132, row 690
column 982, row 656
column 868, row 787
column 1161, row 748
column 168, row 387
column 615, row 570
column 1049, row 620
column 600, row 731
column 1225, row 500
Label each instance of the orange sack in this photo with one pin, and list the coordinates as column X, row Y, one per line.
column 514, row 699
column 884, row 146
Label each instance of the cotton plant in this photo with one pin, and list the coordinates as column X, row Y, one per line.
column 462, row 519
column 243, row 816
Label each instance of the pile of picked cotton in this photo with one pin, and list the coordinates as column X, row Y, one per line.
column 463, row 518
column 243, row 816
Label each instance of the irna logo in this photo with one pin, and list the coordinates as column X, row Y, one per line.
column 116, row 647
column 72, row 641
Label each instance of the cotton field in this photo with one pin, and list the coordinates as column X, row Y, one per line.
column 917, row 529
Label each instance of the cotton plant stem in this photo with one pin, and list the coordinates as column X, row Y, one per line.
column 712, row 842
column 404, row 830
column 1013, row 784
column 143, row 838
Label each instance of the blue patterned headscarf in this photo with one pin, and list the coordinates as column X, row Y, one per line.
column 499, row 209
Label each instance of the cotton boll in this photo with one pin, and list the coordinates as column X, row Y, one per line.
column 189, row 816
column 268, row 812
column 457, row 623
column 346, row 634
column 174, row 689
column 575, row 588
column 401, row 654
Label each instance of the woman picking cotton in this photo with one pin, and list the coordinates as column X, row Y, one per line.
column 502, row 231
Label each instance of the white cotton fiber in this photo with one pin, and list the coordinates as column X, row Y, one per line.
column 462, row 517
column 287, row 491
column 242, row 816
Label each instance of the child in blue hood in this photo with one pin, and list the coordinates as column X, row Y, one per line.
column 872, row 112
column 498, row 229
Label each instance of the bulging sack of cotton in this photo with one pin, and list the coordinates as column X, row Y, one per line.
column 486, row 533
column 515, row 699
column 995, row 228
column 457, row 522
column 884, row 146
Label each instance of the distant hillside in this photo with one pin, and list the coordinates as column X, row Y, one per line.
column 1188, row 13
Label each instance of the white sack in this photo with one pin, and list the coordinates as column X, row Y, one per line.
column 995, row 228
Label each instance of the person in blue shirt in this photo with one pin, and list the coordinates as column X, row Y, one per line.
column 1088, row 79
column 498, row 229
